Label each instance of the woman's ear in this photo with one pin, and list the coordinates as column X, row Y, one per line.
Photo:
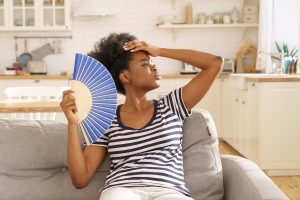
column 124, row 77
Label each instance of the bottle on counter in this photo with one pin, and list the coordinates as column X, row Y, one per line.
column 189, row 13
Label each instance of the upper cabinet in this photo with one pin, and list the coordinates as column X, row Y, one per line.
column 34, row 15
column 3, row 18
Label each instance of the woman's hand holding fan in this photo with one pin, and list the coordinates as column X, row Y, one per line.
column 69, row 107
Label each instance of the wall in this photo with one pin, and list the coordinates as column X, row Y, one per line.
column 139, row 18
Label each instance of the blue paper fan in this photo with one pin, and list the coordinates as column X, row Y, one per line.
column 96, row 97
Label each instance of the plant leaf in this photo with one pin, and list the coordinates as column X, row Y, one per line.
column 278, row 47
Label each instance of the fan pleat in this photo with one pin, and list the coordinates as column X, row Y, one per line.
column 99, row 81
column 80, row 67
column 103, row 93
column 95, row 74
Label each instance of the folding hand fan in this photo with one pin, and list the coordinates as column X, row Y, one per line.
column 96, row 97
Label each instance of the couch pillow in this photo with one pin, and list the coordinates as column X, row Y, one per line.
column 202, row 162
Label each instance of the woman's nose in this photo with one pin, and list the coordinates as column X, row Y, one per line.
column 153, row 66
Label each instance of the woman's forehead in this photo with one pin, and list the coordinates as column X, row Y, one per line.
column 140, row 56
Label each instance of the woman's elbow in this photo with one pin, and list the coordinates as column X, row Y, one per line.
column 217, row 63
column 79, row 184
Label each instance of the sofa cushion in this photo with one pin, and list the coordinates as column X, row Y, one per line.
column 33, row 163
column 202, row 163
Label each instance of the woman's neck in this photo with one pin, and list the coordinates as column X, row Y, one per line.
column 135, row 101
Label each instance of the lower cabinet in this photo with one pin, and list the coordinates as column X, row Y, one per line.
column 262, row 123
column 210, row 102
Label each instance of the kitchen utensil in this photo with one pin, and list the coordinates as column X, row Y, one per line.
column 41, row 52
column 188, row 69
column 96, row 97
column 36, row 67
column 26, row 56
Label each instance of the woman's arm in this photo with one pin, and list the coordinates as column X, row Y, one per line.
column 210, row 65
column 82, row 164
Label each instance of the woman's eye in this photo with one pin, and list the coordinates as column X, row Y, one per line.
column 145, row 64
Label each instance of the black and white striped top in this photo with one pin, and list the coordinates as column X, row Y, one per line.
column 150, row 156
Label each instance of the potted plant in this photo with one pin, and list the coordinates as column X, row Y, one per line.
column 290, row 57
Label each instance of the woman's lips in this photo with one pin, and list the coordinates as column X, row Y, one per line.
column 157, row 77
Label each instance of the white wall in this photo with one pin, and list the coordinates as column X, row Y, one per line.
column 139, row 18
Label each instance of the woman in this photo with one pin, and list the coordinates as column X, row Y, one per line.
column 144, row 140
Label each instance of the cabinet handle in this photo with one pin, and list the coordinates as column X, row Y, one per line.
column 243, row 102
column 36, row 81
column 236, row 100
column 253, row 84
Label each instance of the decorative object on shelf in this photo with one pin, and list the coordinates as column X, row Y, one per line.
column 250, row 14
column 218, row 18
column 226, row 18
column 290, row 58
column 209, row 19
column 189, row 13
column 235, row 15
column 246, row 58
column 96, row 97
column 201, row 18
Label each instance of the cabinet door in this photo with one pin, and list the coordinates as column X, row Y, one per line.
column 55, row 14
column 22, row 14
column 253, row 121
column 237, row 113
column 225, row 108
column 211, row 101
column 3, row 15
column 281, row 127
column 3, row 84
column 37, row 83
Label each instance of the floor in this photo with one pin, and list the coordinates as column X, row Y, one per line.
column 290, row 185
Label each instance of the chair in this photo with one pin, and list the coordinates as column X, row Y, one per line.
column 33, row 93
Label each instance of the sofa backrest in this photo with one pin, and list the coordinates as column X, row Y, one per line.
column 33, row 162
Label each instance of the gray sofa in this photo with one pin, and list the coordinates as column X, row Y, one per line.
column 33, row 164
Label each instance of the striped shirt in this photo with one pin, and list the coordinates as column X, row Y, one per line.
column 150, row 156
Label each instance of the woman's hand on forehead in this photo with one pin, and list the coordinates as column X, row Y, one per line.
column 137, row 45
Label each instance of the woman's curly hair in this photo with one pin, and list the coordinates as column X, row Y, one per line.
column 109, row 51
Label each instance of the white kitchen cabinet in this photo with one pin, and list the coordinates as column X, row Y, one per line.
column 225, row 108
column 36, row 15
column 3, row 15
column 264, row 125
column 210, row 102
column 32, row 83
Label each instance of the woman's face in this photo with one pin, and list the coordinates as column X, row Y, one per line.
column 143, row 74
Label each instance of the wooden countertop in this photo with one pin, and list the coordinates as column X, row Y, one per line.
column 269, row 77
column 35, row 77
column 166, row 76
column 7, row 106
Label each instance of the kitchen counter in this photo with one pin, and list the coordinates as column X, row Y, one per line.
column 267, row 77
column 165, row 76
column 35, row 77
column 8, row 106
column 170, row 76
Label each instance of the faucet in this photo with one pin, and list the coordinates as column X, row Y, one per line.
column 278, row 56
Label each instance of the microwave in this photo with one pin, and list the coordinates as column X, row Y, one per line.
column 228, row 65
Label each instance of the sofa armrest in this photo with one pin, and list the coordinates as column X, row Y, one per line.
column 243, row 179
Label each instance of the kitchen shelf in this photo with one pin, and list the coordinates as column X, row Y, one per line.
column 175, row 27
column 185, row 26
